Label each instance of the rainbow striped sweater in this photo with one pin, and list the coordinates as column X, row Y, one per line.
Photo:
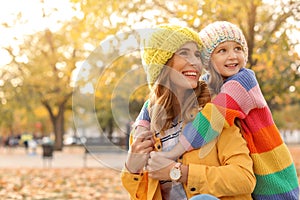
column 241, row 98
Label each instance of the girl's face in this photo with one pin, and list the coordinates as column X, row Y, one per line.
column 187, row 62
column 228, row 58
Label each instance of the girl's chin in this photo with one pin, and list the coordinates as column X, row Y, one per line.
column 231, row 72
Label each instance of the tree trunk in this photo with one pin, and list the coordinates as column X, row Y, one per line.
column 57, row 124
column 59, row 130
column 251, row 32
column 110, row 128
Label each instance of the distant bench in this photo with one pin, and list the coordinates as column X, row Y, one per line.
column 98, row 145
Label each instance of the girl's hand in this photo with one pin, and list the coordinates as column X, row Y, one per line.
column 159, row 166
column 138, row 153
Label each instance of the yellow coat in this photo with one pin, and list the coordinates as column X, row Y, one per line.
column 224, row 170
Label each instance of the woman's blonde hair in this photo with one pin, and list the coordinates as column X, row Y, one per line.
column 163, row 104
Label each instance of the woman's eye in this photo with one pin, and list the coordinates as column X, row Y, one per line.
column 184, row 53
column 198, row 55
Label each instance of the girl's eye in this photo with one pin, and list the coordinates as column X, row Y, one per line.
column 239, row 48
column 221, row 50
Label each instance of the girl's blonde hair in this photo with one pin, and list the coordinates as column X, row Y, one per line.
column 215, row 80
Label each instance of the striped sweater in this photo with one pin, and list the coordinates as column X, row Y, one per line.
column 241, row 98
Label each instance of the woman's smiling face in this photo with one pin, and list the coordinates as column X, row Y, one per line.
column 187, row 62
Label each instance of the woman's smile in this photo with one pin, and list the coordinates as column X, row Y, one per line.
column 192, row 74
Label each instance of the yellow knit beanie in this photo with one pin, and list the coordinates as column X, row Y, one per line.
column 162, row 44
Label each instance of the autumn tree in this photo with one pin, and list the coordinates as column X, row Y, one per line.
column 267, row 28
column 51, row 66
column 43, row 65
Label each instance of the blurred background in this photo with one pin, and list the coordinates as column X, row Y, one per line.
column 59, row 63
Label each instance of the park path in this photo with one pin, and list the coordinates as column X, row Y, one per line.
column 70, row 157
column 25, row 176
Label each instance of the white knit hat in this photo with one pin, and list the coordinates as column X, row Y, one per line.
column 220, row 31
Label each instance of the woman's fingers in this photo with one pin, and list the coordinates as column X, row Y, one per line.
column 159, row 173
column 139, row 153
column 144, row 135
column 157, row 162
column 142, row 144
column 146, row 146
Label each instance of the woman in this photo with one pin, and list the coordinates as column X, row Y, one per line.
column 173, row 66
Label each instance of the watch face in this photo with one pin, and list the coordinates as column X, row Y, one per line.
column 175, row 174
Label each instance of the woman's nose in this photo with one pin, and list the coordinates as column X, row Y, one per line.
column 195, row 61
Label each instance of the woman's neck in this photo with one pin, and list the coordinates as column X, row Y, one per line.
column 178, row 105
column 180, row 94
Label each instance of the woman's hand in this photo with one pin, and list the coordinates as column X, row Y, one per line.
column 138, row 153
column 159, row 166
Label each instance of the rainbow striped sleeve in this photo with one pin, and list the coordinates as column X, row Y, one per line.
column 207, row 125
column 273, row 165
column 143, row 118
column 241, row 92
column 234, row 101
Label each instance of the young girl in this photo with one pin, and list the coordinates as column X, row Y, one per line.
column 238, row 96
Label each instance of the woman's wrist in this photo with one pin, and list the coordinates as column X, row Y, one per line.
column 184, row 170
column 131, row 171
column 184, row 174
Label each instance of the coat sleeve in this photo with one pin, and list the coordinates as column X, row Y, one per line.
column 232, row 176
column 140, row 186
column 135, row 184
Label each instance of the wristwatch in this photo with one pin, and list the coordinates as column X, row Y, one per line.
column 175, row 172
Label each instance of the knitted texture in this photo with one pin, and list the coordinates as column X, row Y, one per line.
column 241, row 98
column 221, row 31
column 162, row 44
